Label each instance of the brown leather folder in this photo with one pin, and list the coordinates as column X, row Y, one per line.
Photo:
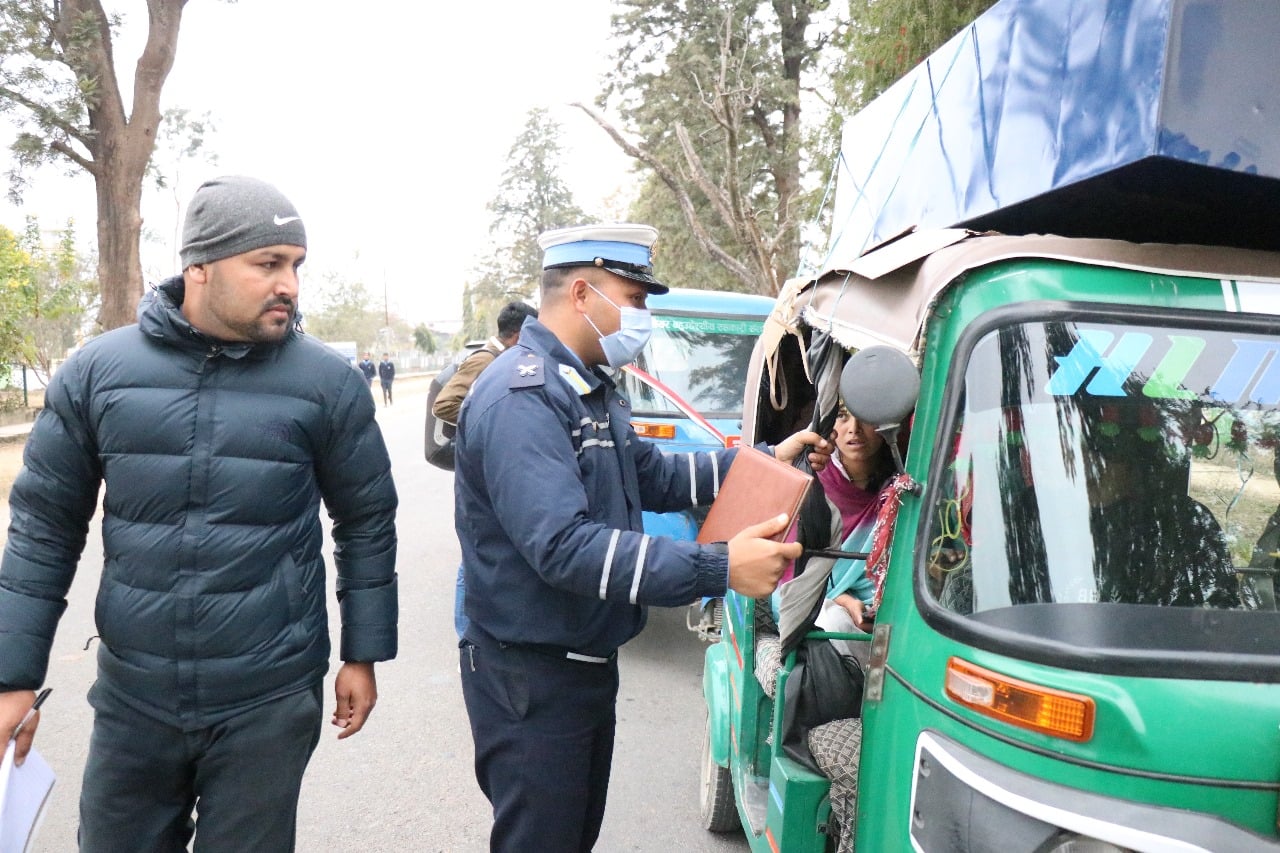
column 757, row 487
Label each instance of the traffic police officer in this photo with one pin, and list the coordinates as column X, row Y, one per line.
column 550, row 483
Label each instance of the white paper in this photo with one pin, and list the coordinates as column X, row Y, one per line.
column 24, row 794
column 834, row 618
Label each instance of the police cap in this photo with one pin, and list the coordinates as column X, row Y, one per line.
column 624, row 249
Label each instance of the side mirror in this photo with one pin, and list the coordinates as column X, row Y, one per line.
column 880, row 385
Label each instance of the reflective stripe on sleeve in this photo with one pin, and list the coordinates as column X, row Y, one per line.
column 635, row 579
column 608, row 563
column 715, row 475
column 693, row 478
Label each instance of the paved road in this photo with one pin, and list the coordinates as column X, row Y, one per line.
column 405, row 782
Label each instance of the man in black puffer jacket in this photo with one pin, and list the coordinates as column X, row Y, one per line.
column 218, row 427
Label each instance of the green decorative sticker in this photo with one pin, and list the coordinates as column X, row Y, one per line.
column 708, row 325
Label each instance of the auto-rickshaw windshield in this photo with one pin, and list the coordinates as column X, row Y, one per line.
column 1108, row 463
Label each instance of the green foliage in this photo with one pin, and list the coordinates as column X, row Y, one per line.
column 424, row 340
column 890, row 37
column 678, row 259
column 484, row 297
column 531, row 198
column 62, row 300
column 15, row 283
column 48, row 82
column 60, row 89
column 338, row 308
column 183, row 139
column 46, row 299
column 713, row 91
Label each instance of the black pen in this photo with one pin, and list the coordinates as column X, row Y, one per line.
column 35, row 706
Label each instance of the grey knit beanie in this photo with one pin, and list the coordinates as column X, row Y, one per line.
column 235, row 214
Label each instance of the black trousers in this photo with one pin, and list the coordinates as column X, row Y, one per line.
column 543, row 731
column 143, row 778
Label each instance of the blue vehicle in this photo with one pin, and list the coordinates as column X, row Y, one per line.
column 686, row 389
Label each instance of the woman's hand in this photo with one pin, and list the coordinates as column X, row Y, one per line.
column 856, row 610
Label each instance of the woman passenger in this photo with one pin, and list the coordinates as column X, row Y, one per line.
column 855, row 486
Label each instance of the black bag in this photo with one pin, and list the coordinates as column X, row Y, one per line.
column 824, row 685
column 438, row 442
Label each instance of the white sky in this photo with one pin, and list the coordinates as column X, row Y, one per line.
column 386, row 122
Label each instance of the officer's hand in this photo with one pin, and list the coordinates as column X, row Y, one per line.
column 792, row 445
column 756, row 561
column 14, row 705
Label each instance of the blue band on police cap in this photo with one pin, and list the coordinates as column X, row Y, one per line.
column 586, row 251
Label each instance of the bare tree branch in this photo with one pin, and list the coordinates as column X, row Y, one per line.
column 74, row 156
column 668, row 177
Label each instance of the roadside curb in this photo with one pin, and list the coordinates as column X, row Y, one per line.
column 16, row 433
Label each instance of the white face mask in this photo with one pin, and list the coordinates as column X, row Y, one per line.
column 625, row 345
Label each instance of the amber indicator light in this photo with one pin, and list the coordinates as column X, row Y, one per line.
column 649, row 430
column 1020, row 703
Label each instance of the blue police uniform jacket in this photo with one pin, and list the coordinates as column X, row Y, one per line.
column 215, row 457
column 550, row 482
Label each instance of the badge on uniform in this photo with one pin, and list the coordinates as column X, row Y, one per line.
column 529, row 373
column 575, row 380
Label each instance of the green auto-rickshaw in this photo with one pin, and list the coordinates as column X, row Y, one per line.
column 1077, row 643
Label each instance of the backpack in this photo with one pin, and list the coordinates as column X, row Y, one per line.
column 438, row 440
column 824, row 685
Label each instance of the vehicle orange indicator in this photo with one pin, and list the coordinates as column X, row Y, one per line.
column 1020, row 703
column 732, row 440
column 645, row 429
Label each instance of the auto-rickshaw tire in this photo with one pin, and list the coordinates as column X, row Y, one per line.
column 719, row 811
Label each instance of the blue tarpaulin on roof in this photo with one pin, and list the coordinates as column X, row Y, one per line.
column 1143, row 120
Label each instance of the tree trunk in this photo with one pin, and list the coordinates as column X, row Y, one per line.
column 119, row 235
column 121, row 142
column 794, row 17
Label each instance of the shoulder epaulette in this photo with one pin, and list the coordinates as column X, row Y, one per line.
column 528, row 372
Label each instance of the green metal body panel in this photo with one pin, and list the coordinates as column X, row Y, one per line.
column 1172, row 727
column 787, row 804
column 715, row 689
column 798, row 807
column 1156, row 740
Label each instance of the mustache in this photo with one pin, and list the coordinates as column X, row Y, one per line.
column 280, row 301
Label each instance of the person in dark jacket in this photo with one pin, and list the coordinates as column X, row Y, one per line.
column 218, row 428
column 368, row 368
column 386, row 375
column 550, row 481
